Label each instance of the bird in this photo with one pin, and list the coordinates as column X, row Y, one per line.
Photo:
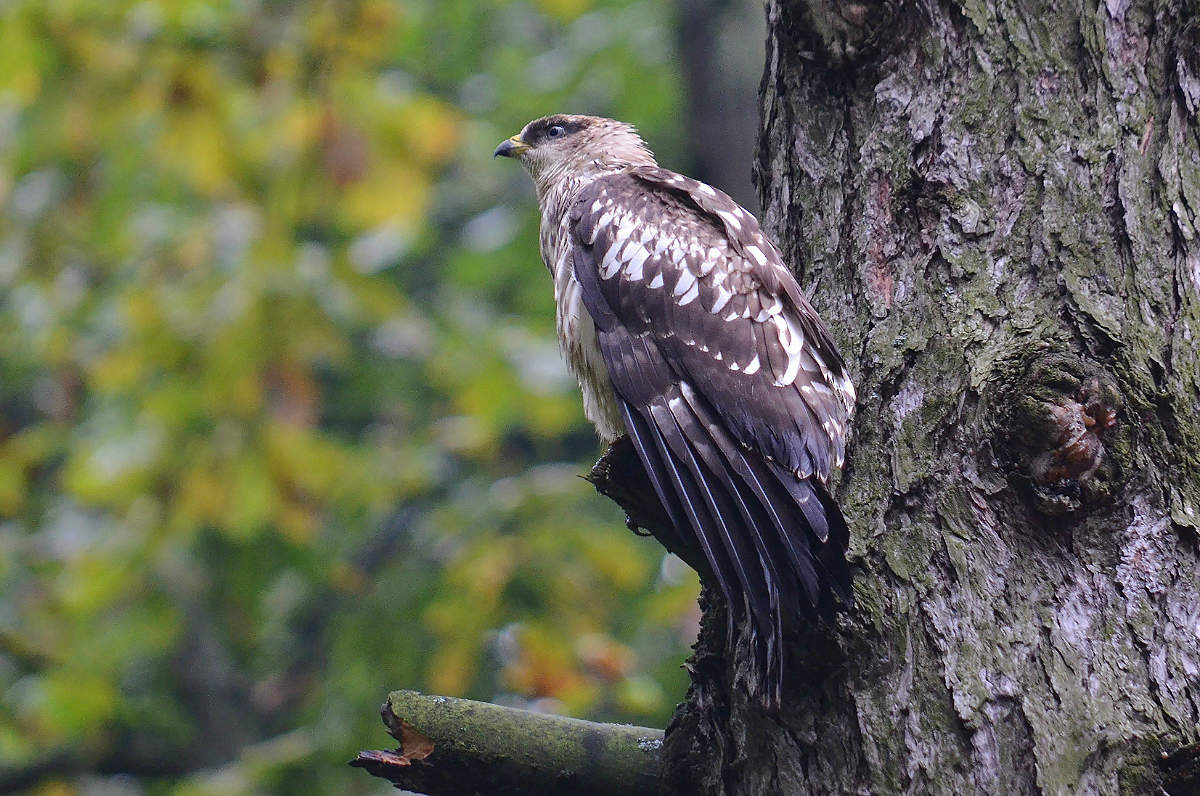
column 688, row 334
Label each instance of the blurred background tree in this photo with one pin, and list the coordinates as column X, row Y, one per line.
column 283, row 424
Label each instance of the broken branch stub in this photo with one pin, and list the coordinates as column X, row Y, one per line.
column 455, row 746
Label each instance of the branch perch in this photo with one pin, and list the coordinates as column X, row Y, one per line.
column 620, row 477
column 457, row 746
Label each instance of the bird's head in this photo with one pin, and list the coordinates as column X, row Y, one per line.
column 562, row 145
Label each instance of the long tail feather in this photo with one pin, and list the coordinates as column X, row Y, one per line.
column 708, row 516
column 771, row 499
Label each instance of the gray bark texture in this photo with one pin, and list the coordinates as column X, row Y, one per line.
column 996, row 208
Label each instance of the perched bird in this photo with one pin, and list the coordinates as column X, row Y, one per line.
column 688, row 333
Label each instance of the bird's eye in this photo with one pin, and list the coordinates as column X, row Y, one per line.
column 556, row 131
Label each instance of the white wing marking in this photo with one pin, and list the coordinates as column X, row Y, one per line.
column 686, row 281
column 767, row 312
column 789, row 375
column 611, row 262
column 731, row 219
column 757, row 254
column 690, row 296
column 626, row 227
column 723, row 297
column 791, row 338
column 633, row 271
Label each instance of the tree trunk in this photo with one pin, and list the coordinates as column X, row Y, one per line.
column 996, row 208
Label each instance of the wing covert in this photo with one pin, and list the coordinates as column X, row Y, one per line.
column 683, row 265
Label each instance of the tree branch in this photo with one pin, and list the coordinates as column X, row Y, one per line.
column 454, row 746
column 620, row 477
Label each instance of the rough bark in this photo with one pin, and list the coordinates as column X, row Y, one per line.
column 996, row 207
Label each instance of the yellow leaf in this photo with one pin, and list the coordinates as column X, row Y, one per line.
column 202, row 498
column 91, row 583
column 489, row 571
column 545, row 667
column 25, row 84
column 431, row 131
column 391, row 191
column 369, row 37
column 12, row 486
column 302, row 126
column 282, row 63
column 564, row 10
column 347, row 578
column 117, row 370
column 297, row 522
column 618, row 558
column 253, row 498
column 452, row 667
column 304, row 459
column 195, row 145
column 641, row 695
column 115, row 468
column 76, row 702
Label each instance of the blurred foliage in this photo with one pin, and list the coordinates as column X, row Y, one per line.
column 283, row 424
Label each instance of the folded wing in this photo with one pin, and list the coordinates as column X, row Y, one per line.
column 730, row 386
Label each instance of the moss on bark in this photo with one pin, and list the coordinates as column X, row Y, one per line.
column 996, row 207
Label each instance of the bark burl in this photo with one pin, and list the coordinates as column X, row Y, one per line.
column 996, row 207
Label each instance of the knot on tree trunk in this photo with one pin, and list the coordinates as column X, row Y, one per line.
column 1059, row 416
column 843, row 34
column 1076, row 450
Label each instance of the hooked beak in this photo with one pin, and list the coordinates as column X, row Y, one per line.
column 511, row 148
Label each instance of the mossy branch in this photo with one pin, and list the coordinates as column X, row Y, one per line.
column 454, row 746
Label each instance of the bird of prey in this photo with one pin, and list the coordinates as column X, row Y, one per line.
column 687, row 332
